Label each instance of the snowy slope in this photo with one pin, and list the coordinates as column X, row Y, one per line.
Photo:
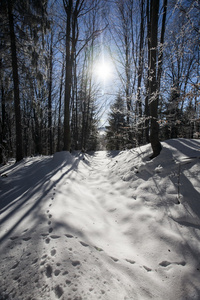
column 110, row 226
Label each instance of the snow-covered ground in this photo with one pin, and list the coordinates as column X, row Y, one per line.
column 110, row 226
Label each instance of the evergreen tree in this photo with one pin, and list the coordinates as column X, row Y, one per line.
column 116, row 134
column 21, row 21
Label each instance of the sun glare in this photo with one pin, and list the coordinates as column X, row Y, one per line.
column 103, row 70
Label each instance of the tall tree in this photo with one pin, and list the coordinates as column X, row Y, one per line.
column 50, row 69
column 116, row 130
column 155, row 65
column 19, row 152
column 24, row 20
column 68, row 5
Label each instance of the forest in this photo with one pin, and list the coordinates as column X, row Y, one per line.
column 69, row 67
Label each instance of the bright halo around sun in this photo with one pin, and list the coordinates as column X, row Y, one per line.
column 103, row 70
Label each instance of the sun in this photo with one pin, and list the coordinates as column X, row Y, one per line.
column 103, row 70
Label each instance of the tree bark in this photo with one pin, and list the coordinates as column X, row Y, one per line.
column 68, row 79
column 50, row 139
column 153, row 101
column 59, row 109
column 19, row 152
column 140, row 73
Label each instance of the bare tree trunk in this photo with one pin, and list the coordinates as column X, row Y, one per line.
column 19, row 152
column 59, row 109
column 2, row 125
column 160, row 57
column 147, row 123
column 68, row 79
column 153, row 101
column 50, row 140
column 140, row 72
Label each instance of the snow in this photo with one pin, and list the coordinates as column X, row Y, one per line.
column 109, row 225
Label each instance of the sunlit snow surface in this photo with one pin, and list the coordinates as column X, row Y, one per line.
column 102, row 226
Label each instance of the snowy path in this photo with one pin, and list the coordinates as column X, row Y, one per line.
column 100, row 227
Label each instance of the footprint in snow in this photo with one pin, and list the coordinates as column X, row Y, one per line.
column 26, row 238
column 15, row 265
column 166, row 263
column 50, row 230
column 65, row 273
column 114, row 259
column 58, row 291
column 47, row 241
column 69, row 236
column 54, row 236
column 98, row 249
column 75, row 263
column 147, row 269
column 44, row 234
column 56, row 272
column 49, row 271
column 53, row 252
column 35, row 261
column 13, row 238
column 84, row 244
column 130, row 261
column 68, row 281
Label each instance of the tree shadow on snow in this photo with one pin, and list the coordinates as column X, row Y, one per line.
column 36, row 184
